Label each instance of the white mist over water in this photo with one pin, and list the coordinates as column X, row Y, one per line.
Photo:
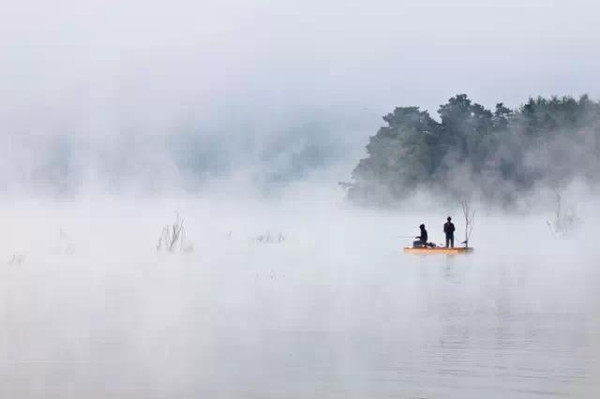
column 90, row 309
column 229, row 101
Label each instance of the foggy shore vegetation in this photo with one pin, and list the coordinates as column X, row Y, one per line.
column 497, row 155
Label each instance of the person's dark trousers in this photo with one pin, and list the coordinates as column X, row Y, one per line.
column 450, row 240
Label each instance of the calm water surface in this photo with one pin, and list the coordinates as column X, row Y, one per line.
column 270, row 321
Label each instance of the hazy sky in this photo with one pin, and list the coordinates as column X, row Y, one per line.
column 311, row 53
column 99, row 69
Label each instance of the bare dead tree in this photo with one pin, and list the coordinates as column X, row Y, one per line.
column 172, row 235
column 563, row 222
column 268, row 238
column 469, row 215
column 557, row 221
column 17, row 259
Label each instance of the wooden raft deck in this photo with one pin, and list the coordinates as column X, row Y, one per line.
column 438, row 250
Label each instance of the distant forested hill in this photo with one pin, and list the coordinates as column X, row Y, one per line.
column 499, row 154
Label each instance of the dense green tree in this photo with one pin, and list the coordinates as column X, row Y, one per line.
column 401, row 156
column 499, row 154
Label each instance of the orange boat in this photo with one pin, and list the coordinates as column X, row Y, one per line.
column 438, row 250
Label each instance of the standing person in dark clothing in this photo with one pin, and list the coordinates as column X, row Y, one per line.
column 422, row 239
column 449, row 231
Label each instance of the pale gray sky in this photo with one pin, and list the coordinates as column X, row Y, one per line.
column 379, row 53
column 102, row 68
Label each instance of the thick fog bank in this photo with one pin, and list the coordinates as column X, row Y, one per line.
column 172, row 225
column 151, row 96
column 291, row 298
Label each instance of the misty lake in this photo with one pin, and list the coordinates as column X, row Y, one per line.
column 297, row 146
column 328, row 316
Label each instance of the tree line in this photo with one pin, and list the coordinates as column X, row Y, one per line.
column 497, row 154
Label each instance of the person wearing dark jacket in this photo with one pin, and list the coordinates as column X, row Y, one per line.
column 449, row 231
column 422, row 239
